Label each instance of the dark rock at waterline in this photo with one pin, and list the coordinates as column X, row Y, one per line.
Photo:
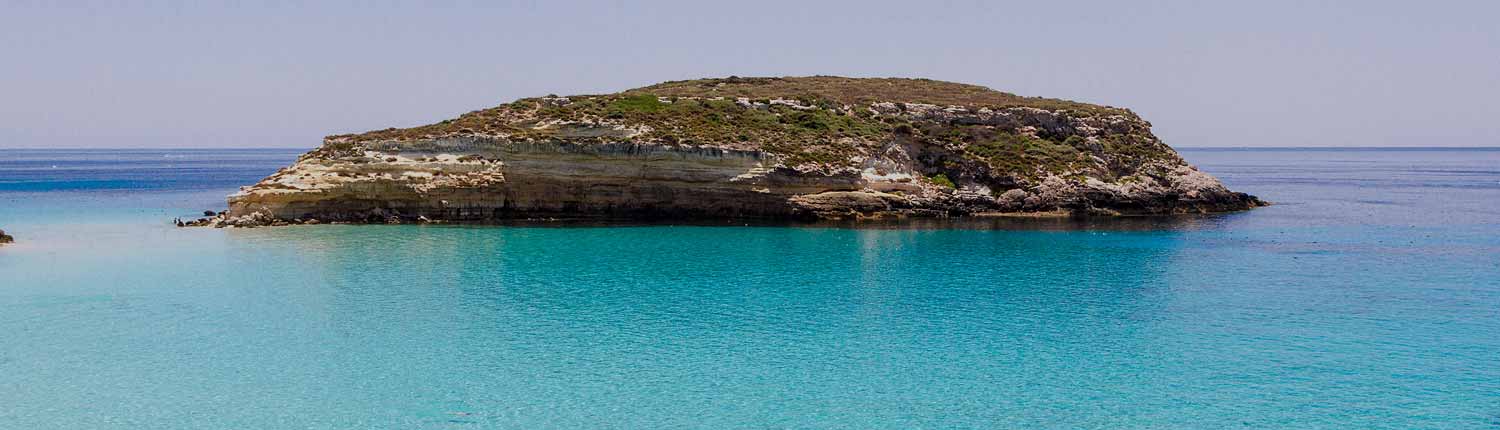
column 5, row 238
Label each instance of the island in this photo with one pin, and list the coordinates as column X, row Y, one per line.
column 811, row 148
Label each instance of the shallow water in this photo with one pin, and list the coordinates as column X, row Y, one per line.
column 1368, row 297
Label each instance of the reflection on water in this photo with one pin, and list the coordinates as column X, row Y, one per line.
column 1029, row 223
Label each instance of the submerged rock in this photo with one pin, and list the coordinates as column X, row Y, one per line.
column 814, row 147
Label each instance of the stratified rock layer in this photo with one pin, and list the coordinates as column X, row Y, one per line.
column 818, row 147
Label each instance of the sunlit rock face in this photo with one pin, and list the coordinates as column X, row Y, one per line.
column 810, row 148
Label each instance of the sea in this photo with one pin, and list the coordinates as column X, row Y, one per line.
column 1366, row 297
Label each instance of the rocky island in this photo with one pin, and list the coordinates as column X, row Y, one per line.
column 818, row 147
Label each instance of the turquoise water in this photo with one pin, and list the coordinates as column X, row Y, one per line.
column 1369, row 297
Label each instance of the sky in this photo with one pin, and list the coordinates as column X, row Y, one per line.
column 285, row 74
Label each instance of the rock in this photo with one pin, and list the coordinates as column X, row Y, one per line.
column 5, row 238
column 209, row 213
column 215, row 220
column 818, row 147
column 250, row 220
column 1012, row 200
column 845, row 204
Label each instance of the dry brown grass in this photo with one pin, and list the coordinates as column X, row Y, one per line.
column 820, row 90
column 861, row 91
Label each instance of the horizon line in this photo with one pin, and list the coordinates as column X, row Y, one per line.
column 1193, row 148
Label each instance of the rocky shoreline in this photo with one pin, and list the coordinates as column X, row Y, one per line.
column 817, row 148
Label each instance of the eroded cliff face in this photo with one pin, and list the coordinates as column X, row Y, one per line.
column 713, row 154
column 478, row 178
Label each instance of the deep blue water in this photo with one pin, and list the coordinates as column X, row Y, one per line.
column 1368, row 297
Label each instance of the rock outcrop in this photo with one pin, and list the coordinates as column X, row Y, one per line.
column 812, row 148
column 5, row 238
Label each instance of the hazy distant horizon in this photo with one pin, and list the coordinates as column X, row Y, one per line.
column 1375, row 74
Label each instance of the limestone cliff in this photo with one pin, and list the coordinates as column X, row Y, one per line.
column 811, row 147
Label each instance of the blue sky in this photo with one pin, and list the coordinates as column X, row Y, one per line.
column 283, row 74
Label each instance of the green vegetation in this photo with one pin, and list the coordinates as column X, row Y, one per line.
column 1125, row 154
column 943, row 180
column 636, row 103
column 1006, row 152
column 1023, row 155
column 831, row 128
column 802, row 136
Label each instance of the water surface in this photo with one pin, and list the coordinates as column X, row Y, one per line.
column 1368, row 297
